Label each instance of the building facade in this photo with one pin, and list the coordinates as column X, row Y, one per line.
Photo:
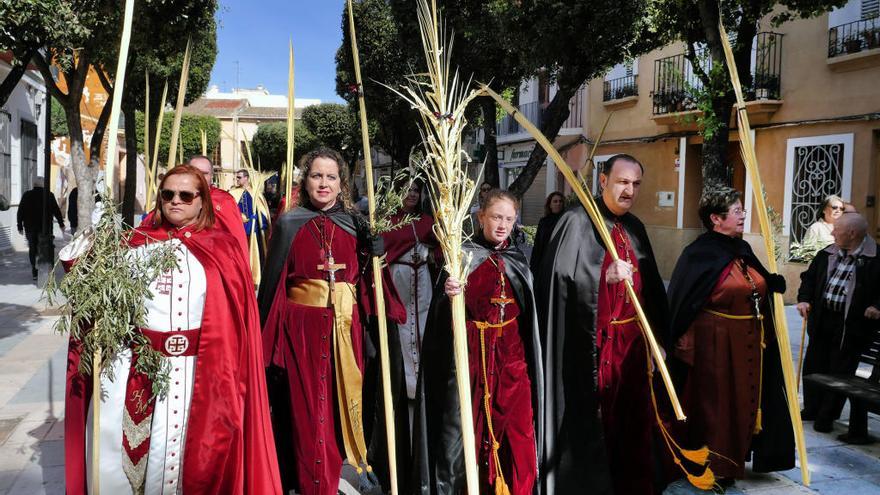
column 22, row 134
column 814, row 107
column 240, row 113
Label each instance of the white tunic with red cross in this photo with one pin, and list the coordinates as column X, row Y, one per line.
column 177, row 304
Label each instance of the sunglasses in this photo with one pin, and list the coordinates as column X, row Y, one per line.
column 837, row 208
column 185, row 196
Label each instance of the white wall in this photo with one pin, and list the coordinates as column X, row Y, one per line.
column 22, row 105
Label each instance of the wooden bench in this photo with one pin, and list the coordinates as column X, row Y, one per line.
column 863, row 393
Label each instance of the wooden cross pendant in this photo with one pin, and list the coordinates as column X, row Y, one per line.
column 501, row 302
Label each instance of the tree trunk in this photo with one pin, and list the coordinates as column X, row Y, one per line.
column 554, row 116
column 716, row 170
column 11, row 80
column 490, row 141
column 128, row 197
column 84, row 174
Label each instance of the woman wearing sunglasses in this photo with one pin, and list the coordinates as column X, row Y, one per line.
column 819, row 234
column 314, row 304
column 211, row 432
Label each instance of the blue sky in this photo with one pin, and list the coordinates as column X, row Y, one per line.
column 255, row 34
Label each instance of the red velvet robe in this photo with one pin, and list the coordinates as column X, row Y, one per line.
column 402, row 239
column 624, row 393
column 298, row 339
column 508, row 382
column 229, row 445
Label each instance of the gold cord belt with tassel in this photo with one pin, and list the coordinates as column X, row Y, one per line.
column 705, row 481
column 482, row 326
column 760, row 318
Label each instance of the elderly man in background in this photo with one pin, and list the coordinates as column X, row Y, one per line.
column 840, row 296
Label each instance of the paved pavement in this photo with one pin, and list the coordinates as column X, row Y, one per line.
column 32, row 369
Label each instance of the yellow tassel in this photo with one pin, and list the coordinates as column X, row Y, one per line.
column 706, row 481
column 501, row 486
column 758, row 421
column 699, row 456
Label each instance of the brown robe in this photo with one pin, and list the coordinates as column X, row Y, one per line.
column 721, row 395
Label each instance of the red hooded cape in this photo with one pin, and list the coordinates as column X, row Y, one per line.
column 229, row 444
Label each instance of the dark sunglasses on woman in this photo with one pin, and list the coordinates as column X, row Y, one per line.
column 185, row 196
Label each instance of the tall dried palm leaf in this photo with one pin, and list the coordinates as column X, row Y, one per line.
column 440, row 99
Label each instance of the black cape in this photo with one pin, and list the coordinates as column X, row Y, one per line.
column 284, row 231
column 567, row 287
column 438, row 453
column 696, row 274
column 542, row 238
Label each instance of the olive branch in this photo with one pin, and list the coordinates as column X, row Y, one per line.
column 389, row 201
column 102, row 298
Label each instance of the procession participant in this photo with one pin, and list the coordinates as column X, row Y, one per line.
column 553, row 208
column 408, row 253
column 313, row 302
column 226, row 214
column 722, row 341
column 505, row 372
column 595, row 355
column 409, row 249
column 211, row 432
column 840, row 294
column 255, row 218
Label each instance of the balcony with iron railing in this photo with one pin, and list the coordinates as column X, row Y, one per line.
column 854, row 37
column 854, row 45
column 534, row 112
column 620, row 88
column 677, row 85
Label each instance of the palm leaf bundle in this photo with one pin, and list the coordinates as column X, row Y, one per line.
column 440, row 99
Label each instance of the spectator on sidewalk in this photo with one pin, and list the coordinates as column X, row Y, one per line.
column 840, row 294
column 30, row 219
column 73, row 210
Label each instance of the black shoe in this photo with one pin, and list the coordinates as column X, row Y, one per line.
column 856, row 439
column 34, row 273
column 807, row 415
column 823, row 426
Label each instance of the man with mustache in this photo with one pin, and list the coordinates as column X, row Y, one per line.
column 595, row 357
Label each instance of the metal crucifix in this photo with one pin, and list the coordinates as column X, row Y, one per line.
column 331, row 267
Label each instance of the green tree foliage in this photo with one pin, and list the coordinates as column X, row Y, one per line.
column 499, row 42
column 190, row 134
column 59, row 121
column 335, row 126
column 28, row 25
column 385, row 58
column 695, row 22
column 158, row 48
column 574, row 41
column 95, row 45
column 270, row 144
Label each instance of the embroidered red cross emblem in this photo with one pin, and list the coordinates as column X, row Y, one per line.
column 164, row 284
column 176, row 345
